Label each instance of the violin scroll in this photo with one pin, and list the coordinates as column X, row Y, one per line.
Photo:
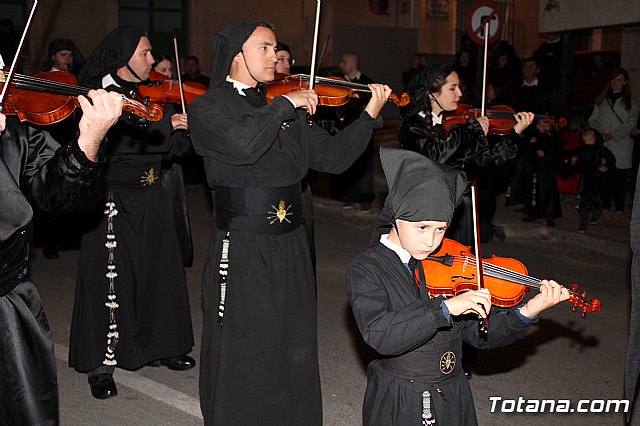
column 400, row 101
column 147, row 111
column 578, row 300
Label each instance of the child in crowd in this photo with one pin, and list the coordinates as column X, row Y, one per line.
column 593, row 161
column 419, row 377
column 545, row 151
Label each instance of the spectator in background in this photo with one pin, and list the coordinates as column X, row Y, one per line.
column 416, row 67
column 549, row 57
column 593, row 161
column 192, row 71
column 465, row 66
column 615, row 114
column 355, row 185
column 283, row 66
column 64, row 55
column 534, row 94
column 163, row 65
column 543, row 200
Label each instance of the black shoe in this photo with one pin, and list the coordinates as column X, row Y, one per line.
column 50, row 252
column 529, row 219
column 177, row 363
column 551, row 222
column 103, row 386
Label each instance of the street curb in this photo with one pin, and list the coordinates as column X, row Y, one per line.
column 594, row 244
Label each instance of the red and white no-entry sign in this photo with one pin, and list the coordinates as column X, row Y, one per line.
column 479, row 12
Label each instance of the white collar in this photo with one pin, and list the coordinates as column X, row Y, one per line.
column 107, row 81
column 355, row 77
column 435, row 119
column 402, row 253
column 533, row 83
column 238, row 85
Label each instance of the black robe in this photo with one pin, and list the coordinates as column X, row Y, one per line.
column 398, row 324
column 154, row 318
column 260, row 365
column 34, row 170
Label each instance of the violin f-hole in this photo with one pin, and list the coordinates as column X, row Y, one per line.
column 455, row 277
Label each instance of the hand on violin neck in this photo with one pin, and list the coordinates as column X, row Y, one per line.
column 551, row 293
column 3, row 122
column 379, row 95
column 179, row 122
column 484, row 123
column 304, row 98
column 523, row 120
column 97, row 118
column 473, row 301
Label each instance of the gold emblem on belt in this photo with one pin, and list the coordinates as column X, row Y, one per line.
column 149, row 177
column 447, row 362
column 279, row 213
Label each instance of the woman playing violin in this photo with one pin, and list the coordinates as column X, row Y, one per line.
column 435, row 92
column 419, row 380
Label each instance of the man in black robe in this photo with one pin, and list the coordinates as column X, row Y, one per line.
column 36, row 171
column 259, row 362
column 138, row 274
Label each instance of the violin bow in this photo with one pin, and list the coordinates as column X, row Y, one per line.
column 483, row 324
column 484, row 71
column 175, row 48
column 9, row 76
column 312, row 76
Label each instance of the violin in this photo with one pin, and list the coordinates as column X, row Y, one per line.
column 501, row 118
column 50, row 97
column 451, row 270
column 331, row 91
column 163, row 91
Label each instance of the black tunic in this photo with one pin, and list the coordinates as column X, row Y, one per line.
column 395, row 322
column 154, row 318
column 260, row 365
column 33, row 169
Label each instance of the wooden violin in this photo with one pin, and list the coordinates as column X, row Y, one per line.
column 163, row 91
column 50, row 97
column 501, row 118
column 331, row 91
column 451, row 270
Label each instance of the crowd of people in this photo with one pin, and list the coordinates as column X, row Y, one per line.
column 552, row 159
column 131, row 307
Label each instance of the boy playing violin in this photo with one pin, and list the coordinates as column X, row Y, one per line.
column 419, row 376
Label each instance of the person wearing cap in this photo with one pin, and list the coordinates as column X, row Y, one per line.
column 63, row 55
column 419, row 377
column 259, row 362
column 131, row 305
column 37, row 171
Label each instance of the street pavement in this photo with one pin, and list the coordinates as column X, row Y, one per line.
column 563, row 357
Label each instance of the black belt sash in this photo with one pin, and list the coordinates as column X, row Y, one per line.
column 14, row 255
column 430, row 363
column 258, row 210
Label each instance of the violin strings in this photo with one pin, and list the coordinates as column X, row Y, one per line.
column 500, row 272
column 28, row 82
column 330, row 81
